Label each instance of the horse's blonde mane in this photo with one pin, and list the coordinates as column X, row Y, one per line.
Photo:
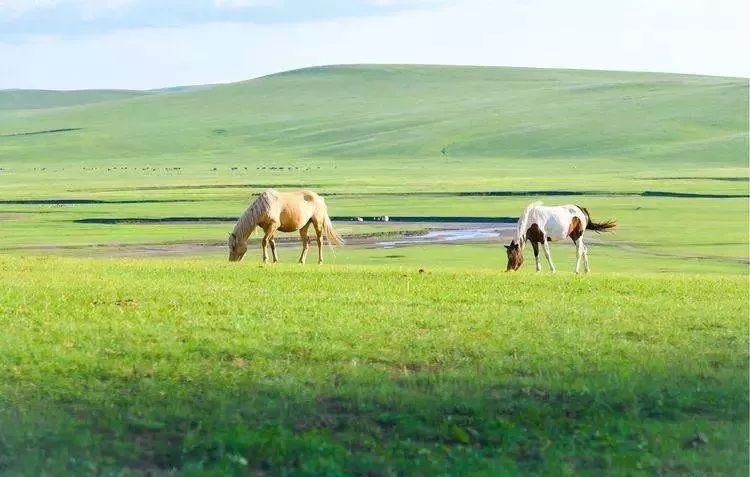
column 252, row 216
column 523, row 223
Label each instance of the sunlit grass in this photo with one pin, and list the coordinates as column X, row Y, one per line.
column 202, row 366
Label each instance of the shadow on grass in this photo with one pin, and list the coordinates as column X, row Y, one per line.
column 408, row 421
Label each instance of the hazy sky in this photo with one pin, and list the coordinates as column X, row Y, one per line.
column 74, row 44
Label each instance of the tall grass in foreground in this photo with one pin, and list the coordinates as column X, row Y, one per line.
column 162, row 367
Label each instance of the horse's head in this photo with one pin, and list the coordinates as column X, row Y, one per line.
column 237, row 248
column 515, row 256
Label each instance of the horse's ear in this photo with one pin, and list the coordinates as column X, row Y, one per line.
column 507, row 247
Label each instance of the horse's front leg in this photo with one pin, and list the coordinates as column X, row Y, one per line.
column 272, row 241
column 263, row 245
column 538, row 264
column 547, row 256
column 268, row 239
column 305, row 243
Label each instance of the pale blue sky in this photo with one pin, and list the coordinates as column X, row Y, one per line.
column 74, row 44
column 77, row 17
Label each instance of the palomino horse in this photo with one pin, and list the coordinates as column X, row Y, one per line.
column 287, row 212
column 541, row 225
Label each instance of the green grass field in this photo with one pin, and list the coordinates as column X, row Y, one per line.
column 202, row 368
column 364, row 366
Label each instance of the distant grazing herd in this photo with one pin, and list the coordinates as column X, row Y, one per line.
column 175, row 169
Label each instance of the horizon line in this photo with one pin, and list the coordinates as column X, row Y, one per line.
column 165, row 89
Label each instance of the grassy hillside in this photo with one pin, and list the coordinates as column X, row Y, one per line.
column 164, row 367
column 18, row 99
column 368, row 112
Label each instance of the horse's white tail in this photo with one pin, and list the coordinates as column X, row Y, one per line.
column 523, row 223
column 330, row 233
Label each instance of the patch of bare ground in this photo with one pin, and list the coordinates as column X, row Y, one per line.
column 445, row 233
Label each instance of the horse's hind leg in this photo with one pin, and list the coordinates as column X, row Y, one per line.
column 585, row 251
column 579, row 254
column 305, row 242
column 319, row 235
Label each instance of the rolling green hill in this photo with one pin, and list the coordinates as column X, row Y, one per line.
column 387, row 112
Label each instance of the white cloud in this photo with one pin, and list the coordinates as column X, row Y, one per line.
column 649, row 35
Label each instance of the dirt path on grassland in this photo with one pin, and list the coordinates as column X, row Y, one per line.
column 420, row 233
column 446, row 233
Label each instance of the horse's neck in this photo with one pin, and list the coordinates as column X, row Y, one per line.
column 531, row 215
column 245, row 225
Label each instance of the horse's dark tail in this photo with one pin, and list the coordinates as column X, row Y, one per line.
column 598, row 227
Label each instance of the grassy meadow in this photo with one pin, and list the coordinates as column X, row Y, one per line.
column 188, row 365
column 198, row 367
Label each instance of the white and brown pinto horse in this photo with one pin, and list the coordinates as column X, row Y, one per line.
column 286, row 212
column 540, row 224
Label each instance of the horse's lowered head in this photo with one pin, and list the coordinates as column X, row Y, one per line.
column 237, row 248
column 515, row 256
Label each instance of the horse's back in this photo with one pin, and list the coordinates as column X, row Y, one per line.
column 310, row 196
column 554, row 220
column 302, row 200
column 302, row 195
column 297, row 208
